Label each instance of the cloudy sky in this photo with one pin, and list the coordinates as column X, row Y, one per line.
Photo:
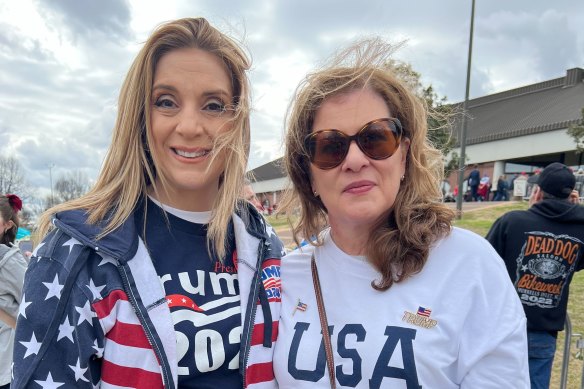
column 62, row 62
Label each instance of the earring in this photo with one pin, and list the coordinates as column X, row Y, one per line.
column 402, row 178
column 315, row 194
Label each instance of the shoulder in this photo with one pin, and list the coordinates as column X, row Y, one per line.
column 57, row 256
column 515, row 216
column 460, row 237
column 466, row 251
column 298, row 261
column 12, row 262
column 470, row 265
column 18, row 258
column 10, row 253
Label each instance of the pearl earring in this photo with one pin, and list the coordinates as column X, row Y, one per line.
column 402, row 178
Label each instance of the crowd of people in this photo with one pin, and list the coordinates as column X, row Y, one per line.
column 480, row 188
column 166, row 274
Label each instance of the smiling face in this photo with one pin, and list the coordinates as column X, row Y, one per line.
column 191, row 96
column 360, row 190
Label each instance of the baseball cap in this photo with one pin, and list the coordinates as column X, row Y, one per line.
column 556, row 179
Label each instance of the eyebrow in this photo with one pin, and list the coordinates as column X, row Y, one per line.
column 163, row 86
column 212, row 92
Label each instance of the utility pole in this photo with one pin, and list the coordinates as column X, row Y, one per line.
column 461, row 164
column 51, row 166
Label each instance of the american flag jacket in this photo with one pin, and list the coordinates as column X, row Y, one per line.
column 94, row 313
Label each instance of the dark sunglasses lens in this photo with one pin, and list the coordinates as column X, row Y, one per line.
column 327, row 149
column 379, row 140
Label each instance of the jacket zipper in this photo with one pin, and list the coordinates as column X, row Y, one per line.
column 256, row 289
column 157, row 352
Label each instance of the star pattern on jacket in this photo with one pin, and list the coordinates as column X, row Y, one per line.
column 95, row 290
column 98, row 350
column 36, row 249
column 106, row 259
column 49, row 383
column 67, row 361
column 23, row 305
column 66, row 330
column 85, row 314
column 54, row 288
column 273, row 237
column 32, row 346
column 71, row 243
column 79, row 371
column 75, row 354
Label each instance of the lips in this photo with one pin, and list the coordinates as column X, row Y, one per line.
column 359, row 186
column 192, row 153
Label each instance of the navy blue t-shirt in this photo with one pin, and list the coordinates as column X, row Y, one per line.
column 203, row 296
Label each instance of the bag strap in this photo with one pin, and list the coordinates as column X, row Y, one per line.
column 323, row 323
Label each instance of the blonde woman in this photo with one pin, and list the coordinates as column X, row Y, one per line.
column 160, row 277
column 389, row 295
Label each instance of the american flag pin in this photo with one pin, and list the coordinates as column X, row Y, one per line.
column 421, row 318
column 426, row 312
column 300, row 306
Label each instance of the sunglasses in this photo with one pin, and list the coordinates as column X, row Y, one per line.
column 378, row 139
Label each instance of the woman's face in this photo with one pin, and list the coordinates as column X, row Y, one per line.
column 191, row 100
column 5, row 225
column 360, row 190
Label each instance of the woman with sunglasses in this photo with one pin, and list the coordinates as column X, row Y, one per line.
column 389, row 295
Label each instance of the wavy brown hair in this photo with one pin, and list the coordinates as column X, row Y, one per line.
column 129, row 169
column 399, row 244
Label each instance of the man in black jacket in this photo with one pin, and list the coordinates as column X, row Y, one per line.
column 542, row 248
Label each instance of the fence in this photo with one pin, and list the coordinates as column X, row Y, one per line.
column 566, row 357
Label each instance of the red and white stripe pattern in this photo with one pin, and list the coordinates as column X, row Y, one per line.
column 260, row 371
column 128, row 358
column 272, row 280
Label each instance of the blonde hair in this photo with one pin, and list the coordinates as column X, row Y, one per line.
column 398, row 245
column 129, row 168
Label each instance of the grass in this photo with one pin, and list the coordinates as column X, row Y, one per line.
column 480, row 221
column 576, row 311
column 278, row 222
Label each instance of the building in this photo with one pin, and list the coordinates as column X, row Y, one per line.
column 519, row 130
column 524, row 129
column 268, row 181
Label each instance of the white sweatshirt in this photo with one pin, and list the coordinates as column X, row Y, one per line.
column 456, row 324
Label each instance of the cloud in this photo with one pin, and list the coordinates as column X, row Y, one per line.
column 62, row 62
column 60, row 86
column 86, row 19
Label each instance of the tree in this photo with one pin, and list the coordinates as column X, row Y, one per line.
column 12, row 178
column 441, row 113
column 71, row 186
column 577, row 132
column 452, row 164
